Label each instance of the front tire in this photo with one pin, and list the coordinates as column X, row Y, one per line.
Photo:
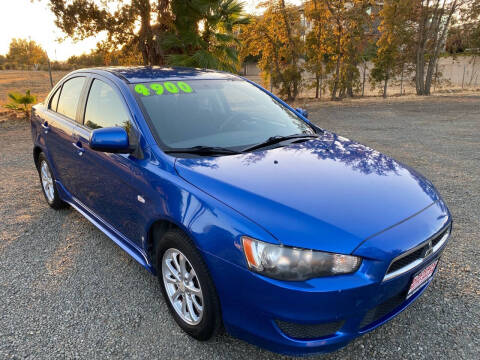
column 187, row 286
column 49, row 187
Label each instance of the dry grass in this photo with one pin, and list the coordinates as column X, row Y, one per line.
column 20, row 81
column 39, row 84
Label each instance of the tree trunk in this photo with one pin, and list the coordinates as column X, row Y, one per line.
column 295, row 90
column 151, row 54
column 430, row 22
column 385, row 86
column 439, row 39
column 289, row 94
column 420, row 51
column 419, row 72
column 293, row 50
column 321, row 85
column 401, row 80
column 317, row 84
column 473, row 70
column 349, row 83
column 363, row 81
column 350, row 91
column 337, row 66
column 337, row 75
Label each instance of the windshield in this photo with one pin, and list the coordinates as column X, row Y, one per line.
column 214, row 113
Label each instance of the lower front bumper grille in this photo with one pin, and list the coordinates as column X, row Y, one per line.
column 383, row 309
column 309, row 331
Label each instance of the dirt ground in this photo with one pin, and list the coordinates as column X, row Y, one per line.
column 67, row 291
column 38, row 82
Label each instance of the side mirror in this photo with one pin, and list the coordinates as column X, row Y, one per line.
column 112, row 140
column 302, row 112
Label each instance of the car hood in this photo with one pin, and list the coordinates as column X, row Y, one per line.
column 327, row 194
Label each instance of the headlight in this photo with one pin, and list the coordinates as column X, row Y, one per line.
column 287, row 263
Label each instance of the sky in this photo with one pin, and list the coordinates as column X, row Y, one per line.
column 24, row 19
column 35, row 21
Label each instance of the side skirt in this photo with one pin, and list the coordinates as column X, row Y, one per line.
column 128, row 246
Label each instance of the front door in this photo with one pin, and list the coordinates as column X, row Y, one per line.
column 109, row 185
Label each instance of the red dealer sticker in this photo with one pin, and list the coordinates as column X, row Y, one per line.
column 421, row 278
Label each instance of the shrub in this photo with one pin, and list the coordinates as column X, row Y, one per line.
column 21, row 103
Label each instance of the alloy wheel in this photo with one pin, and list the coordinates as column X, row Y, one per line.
column 47, row 181
column 182, row 286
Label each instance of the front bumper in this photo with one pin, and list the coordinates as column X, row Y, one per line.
column 256, row 308
column 254, row 304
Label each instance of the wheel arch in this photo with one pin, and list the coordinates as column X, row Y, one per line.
column 37, row 150
column 155, row 232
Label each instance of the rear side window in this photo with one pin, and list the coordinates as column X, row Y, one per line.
column 54, row 100
column 71, row 91
column 105, row 108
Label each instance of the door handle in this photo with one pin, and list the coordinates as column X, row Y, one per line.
column 78, row 146
column 46, row 127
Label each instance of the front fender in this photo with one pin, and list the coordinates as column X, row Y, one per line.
column 213, row 226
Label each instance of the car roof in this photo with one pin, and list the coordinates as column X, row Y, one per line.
column 138, row 74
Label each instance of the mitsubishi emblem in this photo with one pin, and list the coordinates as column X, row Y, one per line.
column 429, row 249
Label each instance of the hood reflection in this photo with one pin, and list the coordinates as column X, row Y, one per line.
column 357, row 156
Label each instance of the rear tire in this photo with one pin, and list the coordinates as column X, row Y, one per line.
column 187, row 286
column 49, row 187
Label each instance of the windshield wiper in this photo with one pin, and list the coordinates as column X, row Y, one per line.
column 277, row 139
column 203, row 150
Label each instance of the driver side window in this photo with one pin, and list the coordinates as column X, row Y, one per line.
column 105, row 108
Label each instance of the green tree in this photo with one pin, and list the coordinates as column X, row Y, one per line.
column 140, row 24
column 276, row 37
column 165, row 32
column 346, row 26
column 394, row 35
column 465, row 30
column 204, row 34
column 26, row 52
column 316, row 54
column 368, row 54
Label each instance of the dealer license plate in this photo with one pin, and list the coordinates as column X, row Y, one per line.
column 421, row 278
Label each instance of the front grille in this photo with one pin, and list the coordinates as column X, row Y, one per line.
column 437, row 239
column 404, row 261
column 383, row 309
column 417, row 255
column 309, row 331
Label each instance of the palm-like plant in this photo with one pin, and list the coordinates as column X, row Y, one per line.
column 205, row 35
column 21, row 103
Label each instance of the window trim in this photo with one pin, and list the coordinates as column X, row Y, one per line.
column 49, row 103
column 92, row 79
column 59, row 87
column 135, row 140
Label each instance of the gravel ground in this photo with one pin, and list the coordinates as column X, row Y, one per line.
column 67, row 291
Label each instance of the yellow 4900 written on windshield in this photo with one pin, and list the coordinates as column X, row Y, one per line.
column 166, row 87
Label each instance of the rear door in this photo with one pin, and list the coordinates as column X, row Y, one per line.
column 110, row 186
column 59, row 126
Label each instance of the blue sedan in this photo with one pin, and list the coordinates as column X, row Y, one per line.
column 254, row 219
